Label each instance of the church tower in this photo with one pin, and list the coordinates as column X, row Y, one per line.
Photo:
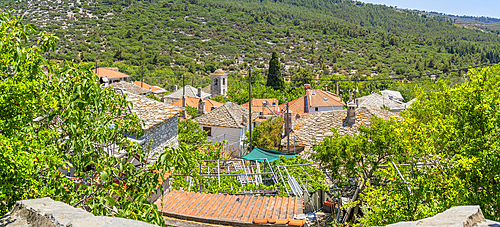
column 218, row 83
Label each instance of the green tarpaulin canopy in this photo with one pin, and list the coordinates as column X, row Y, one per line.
column 257, row 153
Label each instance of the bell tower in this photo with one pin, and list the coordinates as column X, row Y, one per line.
column 218, row 83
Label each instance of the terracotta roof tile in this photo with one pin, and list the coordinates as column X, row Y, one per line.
column 149, row 87
column 236, row 209
column 110, row 73
column 320, row 98
column 296, row 106
column 258, row 106
column 193, row 102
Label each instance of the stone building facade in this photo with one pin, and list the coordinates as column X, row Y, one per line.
column 161, row 135
column 160, row 124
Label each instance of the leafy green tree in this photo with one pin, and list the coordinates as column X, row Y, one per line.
column 274, row 78
column 267, row 134
column 62, row 119
column 448, row 145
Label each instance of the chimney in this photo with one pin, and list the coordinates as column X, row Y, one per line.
column 307, row 86
column 288, row 122
column 337, row 88
column 306, row 105
column 199, row 92
column 175, row 87
column 201, row 107
column 351, row 114
column 243, row 119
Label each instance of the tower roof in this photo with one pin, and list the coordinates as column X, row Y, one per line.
column 218, row 72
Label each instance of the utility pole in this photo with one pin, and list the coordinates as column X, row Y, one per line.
column 287, row 125
column 183, row 91
column 142, row 75
column 250, row 105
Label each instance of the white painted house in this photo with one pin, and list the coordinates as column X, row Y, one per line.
column 228, row 122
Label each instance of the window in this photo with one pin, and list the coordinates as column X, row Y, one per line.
column 208, row 130
column 223, row 81
column 316, row 109
column 216, row 81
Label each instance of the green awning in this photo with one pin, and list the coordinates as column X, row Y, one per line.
column 258, row 153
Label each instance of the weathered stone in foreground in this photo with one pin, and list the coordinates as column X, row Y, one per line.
column 462, row 216
column 46, row 212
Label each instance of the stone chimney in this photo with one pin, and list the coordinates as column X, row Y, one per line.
column 199, row 92
column 337, row 88
column 351, row 114
column 201, row 107
column 243, row 119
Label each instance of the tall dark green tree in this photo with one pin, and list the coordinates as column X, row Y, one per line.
column 274, row 78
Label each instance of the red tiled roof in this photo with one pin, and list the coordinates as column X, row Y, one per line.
column 147, row 86
column 110, row 73
column 193, row 102
column 236, row 209
column 319, row 98
column 296, row 106
column 258, row 106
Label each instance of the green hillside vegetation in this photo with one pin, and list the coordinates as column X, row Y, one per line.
column 325, row 38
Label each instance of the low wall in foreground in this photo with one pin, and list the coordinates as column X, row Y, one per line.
column 46, row 212
column 462, row 216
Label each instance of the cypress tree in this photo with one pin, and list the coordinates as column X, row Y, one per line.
column 274, row 78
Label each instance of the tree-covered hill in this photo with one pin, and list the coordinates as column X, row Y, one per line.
column 325, row 37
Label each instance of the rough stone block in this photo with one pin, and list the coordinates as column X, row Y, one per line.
column 461, row 216
column 46, row 212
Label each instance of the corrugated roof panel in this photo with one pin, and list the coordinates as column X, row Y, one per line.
column 229, row 208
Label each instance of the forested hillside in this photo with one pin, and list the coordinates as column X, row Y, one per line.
column 173, row 38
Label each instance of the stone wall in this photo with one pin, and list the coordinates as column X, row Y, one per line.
column 46, row 212
column 161, row 135
column 462, row 216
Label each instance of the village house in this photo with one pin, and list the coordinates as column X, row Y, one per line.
column 202, row 105
column 130, row 88
column 160, row 124
column 153, row 89
column 112, row 74
column 228, row 122
column 392, row 95
column 377, row 101
column 187, row 91
column 314, row 101
column 312, row 129
column 266, row 108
